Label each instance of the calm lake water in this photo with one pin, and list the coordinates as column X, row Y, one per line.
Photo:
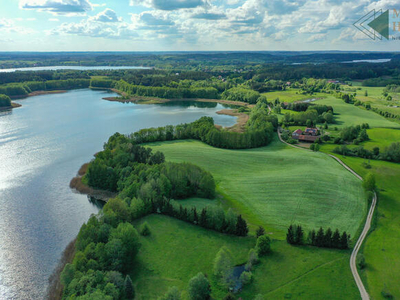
column 79, row 68
column 42, row 146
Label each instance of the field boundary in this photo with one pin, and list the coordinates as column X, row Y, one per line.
column 367, row 226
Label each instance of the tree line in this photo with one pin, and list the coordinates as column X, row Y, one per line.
column 258, row 133
column 390, row 153
column 320, row 238
column 167, row 92
column 24, row 88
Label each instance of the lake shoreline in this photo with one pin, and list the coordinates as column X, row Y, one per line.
column 241, row 119
column 13, row 105
column 38, row 93
column 77, row 185
column 154, row 100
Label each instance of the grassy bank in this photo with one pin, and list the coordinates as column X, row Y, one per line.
column 277, row 185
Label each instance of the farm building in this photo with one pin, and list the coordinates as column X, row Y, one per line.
column 309, row 135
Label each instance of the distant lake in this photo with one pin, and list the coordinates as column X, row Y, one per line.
column 376, row 61
column 79, row 68
column 42, row 145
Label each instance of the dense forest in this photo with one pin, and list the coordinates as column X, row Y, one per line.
column 107, row 244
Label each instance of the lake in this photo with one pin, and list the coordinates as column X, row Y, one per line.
column 42, row 145
column 78, row 68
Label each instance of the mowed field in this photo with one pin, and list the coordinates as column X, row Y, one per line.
column 176, row 251
column 291, row 96
column 348, row 114
column 277, row 185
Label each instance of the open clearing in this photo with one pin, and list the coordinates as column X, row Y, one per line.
column 277, row 185
column 295, row 272
column 176, row 251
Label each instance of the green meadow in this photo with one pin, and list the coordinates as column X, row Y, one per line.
column 176, row 251
column 348, row 114
column 382, row 246
column 291, row 95
column 376, row 99
column 277, row 185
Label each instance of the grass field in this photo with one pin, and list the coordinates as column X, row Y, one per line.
column 296, row 272
column 291, row 96
column 176, row 251
column 348, row 114
column 376, row 99
column 303, row 273
column 382, row 247
column 277, row 185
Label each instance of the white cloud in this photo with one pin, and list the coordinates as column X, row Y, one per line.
column 108, row 15
column 169, row 4
column 104, row 25
column 58, row 7
column 54, row 20
column 208, row 13
column 99, row 5
column 317, row 37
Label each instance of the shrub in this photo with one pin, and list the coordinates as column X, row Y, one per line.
column 263, row 245
column 361, row 261
column 145, row 229
column 246, row 277
column 199, row 288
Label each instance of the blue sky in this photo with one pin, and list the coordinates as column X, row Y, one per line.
column 167, row 25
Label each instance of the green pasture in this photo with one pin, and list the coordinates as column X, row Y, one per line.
column 176, row 251
column 348, row 114
column 303, row 273
column 382, row 246
column 277, row 185
column 291, row 95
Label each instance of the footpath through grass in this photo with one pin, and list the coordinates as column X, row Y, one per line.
column 382, row 246
column 277, row 185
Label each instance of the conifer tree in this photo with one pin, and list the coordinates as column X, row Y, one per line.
column 290, row 235
column 336, row 239
column 241, row 226
column 319, row 239
column 328, row 238
column 128, row 287
column 260, row 231
column 299, row 235
column 311, row 237
column 344, row 241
